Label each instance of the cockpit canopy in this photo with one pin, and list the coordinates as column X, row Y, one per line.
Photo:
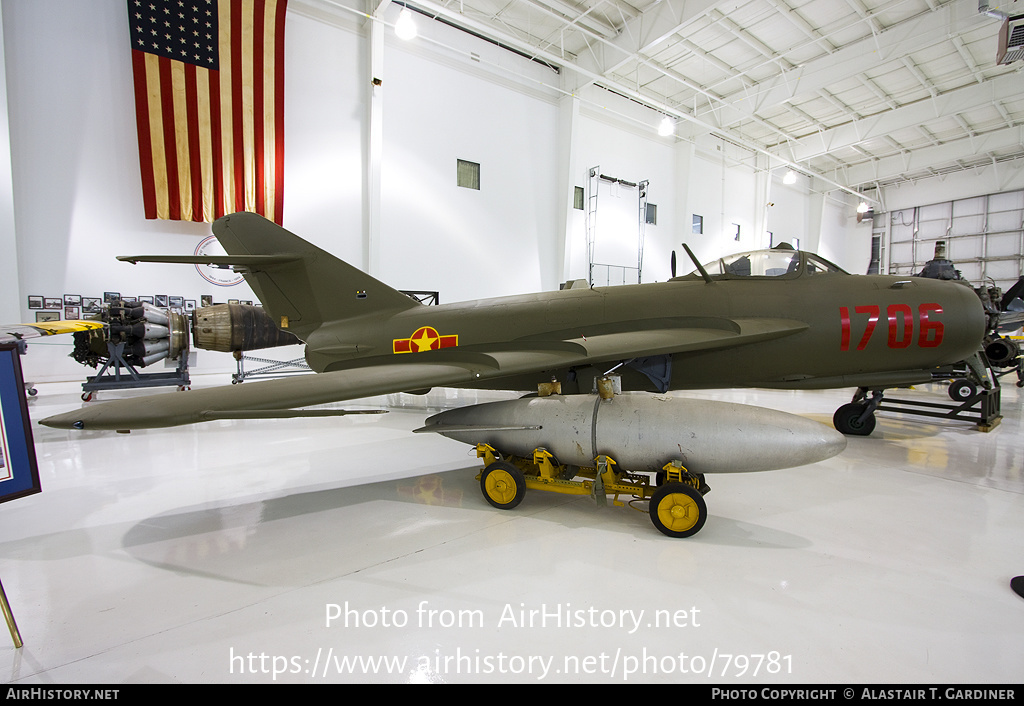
column 777, row 262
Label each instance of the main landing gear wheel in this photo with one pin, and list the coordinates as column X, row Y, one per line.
column 503, row 485
column 678, row 510
column 847, row 420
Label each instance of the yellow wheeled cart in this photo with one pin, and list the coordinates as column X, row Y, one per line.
column 676, row 497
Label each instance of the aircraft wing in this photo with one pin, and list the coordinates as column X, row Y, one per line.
column 1010, row 321
column 12, row 333
column 449, row 367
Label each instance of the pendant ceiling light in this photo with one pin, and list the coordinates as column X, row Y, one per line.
column 405, row 28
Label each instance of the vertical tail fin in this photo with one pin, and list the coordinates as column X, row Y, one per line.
column 302, row 292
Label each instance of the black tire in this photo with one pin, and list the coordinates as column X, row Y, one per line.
column 503, row 485
column 846, row 420
column 962, row 390
column 678, row 510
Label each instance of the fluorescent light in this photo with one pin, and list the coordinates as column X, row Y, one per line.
column 790, row 177
column 667, row 127
column 405, row 28
column 862, row 208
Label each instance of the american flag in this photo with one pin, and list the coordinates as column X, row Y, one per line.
column 209, row 105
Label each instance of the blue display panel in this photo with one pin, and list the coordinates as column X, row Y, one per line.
column 19, row 474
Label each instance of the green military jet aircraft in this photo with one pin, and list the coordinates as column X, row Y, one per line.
column 774, row 318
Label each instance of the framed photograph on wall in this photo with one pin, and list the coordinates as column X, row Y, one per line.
column 72, row 313
column 92, row 305
column 35, row 302
column 54, row 303
column 43, row 316
column 19, row 474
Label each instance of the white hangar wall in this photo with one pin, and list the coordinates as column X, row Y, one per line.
column 435, row 235
column 76, row 195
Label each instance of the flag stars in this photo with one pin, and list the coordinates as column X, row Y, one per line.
column 167, row 23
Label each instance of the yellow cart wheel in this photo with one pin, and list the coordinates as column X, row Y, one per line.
column 678, row 510
column 503, row 485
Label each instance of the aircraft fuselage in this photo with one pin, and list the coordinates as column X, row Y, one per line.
column 844, row 330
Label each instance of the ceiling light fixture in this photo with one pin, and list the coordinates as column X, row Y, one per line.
column 667, row 127
column 790, row 177
column 405, row 28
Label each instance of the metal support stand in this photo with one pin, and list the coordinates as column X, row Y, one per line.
column 983, row 409
column 981, row 406
column 30, row 387
column 271, row 368
column 119, row 374
column 9, row 617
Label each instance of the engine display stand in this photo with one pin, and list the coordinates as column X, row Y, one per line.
column 119, row 374
column 271, row 367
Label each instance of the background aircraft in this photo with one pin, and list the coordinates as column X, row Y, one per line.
column 12, row 333
column 777, row 318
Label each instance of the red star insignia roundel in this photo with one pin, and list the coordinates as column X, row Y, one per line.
column 426, row 338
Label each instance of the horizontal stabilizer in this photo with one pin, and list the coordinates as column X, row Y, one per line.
column 240, row 262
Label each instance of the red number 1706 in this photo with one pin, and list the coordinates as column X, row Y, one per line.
column 901, row 325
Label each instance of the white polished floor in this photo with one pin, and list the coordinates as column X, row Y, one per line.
column 217, row 553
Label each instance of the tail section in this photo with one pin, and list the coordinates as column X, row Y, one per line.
column 300, row 285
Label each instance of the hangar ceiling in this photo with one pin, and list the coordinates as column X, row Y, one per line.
column 864, row 93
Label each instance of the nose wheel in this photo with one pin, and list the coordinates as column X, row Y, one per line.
column 854, row 419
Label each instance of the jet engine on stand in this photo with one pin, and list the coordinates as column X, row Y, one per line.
column 236, row 328
column 136, row 335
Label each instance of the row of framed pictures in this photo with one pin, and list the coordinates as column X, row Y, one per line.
column 75, row 306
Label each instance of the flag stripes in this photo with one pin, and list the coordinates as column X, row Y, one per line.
column 211, row 140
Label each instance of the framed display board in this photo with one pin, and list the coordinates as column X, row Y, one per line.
column 19, row 474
